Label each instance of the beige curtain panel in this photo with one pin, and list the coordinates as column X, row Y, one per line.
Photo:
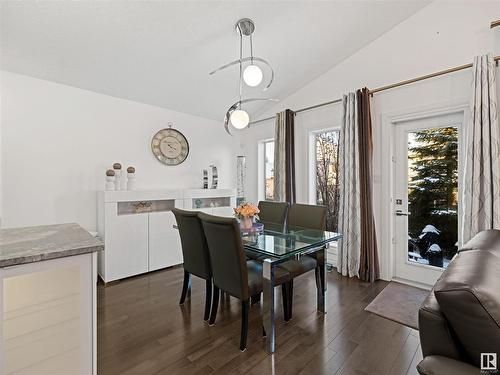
column 481, row 179
column 357, row 251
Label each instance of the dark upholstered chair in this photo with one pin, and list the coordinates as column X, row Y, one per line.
column 273, row 212
column 460, row 319
column 232, row 273
column 195, row 253
column 272, row 215
column 305, row 216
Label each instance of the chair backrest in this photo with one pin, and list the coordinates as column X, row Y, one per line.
column 273, row 212
column 227, row 256
column 307, row 216
column 194, row 243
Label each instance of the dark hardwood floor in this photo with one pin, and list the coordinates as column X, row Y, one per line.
column 142, row 330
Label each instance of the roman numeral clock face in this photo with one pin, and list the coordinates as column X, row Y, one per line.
column 170, row 146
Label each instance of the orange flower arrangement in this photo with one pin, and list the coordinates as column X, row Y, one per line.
column 246, row 210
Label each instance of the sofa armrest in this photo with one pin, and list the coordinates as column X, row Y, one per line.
column 436, row 336
column 437, row 365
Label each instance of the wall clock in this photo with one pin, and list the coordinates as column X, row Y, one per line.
column 170, row 146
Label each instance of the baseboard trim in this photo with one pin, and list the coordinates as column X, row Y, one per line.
column 412, row 283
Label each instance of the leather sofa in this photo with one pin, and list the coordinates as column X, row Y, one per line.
column 460, row 319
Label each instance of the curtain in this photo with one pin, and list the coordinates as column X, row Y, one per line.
column 284, row 157
column 368, row 264
column 348, row 255
column 481, row 178
column 357, row 251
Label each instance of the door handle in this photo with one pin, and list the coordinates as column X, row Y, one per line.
column 401, row 213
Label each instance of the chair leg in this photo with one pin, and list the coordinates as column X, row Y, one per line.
column 285, row 294
column 215, row 306
column 185, row 287
column 208, row 299
column 290, row 299
column 244, row 325
column 256, row 299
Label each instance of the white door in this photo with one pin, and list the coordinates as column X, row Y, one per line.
column 425, row 201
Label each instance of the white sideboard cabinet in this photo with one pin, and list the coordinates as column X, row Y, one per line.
column 218, row 202
column 138, row 227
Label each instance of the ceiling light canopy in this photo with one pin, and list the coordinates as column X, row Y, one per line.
column 252, row 75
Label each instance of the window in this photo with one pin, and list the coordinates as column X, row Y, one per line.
column 269, row 170
column 325, row 177
column 433, row 195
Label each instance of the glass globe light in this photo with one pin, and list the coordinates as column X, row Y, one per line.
column 239, row 119
column 252, row 75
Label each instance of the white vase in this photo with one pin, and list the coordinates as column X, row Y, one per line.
column 110, row 183
column 130, row 181
column 118, row 179
column 246, row 222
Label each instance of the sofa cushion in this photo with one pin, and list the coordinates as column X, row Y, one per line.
column 485, row 240
column 468, row 293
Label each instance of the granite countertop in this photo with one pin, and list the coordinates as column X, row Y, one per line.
column 35, row 244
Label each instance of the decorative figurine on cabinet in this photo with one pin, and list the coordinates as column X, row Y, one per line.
column 215, row 177
column 118, row 176
column 130, row 178
column 110, row 180
column 205, row 179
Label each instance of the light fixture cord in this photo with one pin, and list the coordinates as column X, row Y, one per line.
column 241, row 66
column 251, row 49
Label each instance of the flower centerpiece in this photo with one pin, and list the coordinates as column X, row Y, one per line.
column 246, row 213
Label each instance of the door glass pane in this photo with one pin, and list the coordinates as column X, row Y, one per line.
column 433, row 195
column 269, row 169
column 327, row 188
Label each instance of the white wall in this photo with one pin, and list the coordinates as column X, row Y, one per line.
column 440, row 36
column 57, row 142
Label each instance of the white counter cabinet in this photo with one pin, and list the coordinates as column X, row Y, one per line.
column 48, row 277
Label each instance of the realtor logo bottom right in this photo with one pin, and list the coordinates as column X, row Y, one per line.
column 489, row 362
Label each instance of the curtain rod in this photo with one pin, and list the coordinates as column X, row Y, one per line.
column 383, row 88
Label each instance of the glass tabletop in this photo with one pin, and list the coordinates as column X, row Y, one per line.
column 279, row 243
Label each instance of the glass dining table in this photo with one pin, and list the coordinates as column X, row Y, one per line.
column 279, row 245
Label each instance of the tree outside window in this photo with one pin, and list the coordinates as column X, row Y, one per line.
column 433, row 194
column 327, row 183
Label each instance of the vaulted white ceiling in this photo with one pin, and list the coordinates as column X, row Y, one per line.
column 160, row 53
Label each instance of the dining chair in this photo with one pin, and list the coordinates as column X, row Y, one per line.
column 232, row 272
column 311, row 217
column 273, row 212
column 195, row 254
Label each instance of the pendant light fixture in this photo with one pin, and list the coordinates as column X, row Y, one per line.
column 251, row 75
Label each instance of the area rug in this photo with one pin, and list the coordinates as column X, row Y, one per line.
column 399, row 302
